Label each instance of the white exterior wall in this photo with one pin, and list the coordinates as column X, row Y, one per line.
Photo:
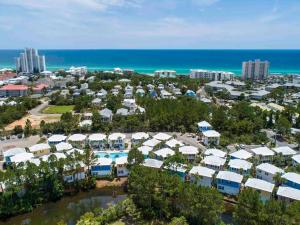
column 122, row 171
column 264, row 176
column 202, row 181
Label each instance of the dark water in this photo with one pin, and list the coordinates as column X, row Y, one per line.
column 68, row 209
column 147, row 61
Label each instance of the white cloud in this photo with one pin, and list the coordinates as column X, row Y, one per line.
column 204, row 2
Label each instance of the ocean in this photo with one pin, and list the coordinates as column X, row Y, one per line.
column 147, row 61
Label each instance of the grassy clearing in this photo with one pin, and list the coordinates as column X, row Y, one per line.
column 58, row 109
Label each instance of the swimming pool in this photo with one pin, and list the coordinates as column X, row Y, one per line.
column 113, row 155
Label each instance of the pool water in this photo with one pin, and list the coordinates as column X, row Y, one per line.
column 112, row 155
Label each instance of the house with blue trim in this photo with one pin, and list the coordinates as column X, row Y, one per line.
column 204, row 126
column 190, row 93
column 229, row 182
column 292, row 180
column 12, row 152
column 202, row 176
column 177, row 169
column 102, row 168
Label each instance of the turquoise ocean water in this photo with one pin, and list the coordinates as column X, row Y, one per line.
column 147, row 61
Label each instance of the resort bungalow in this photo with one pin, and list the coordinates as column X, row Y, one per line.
column 241, row 154
column 145, row 150
column 292, row 180
column 102, row 94
column 77, row 140
column 97, row 141
column 190, row 152
column 22, row 157
column 263, row 154
column 63, row 146
column 116, row 141
column 72, row 174
column 229, row 182
column 138, row 138
column 40, row 149
column 285, row 151
column 211, row 137
column 153, row 163
column 86, row 124
column 162, row 137
column 152, row 142
column 177, row 169
column 215, row 152
column 106, row 115
column 102, row 168
column 201, row 176
column 266, row 171
column 56, row 139
column 163, row 153
column 288, row 194
column 296, row 160
column 239, row 166
column 173, row 143
column 264, row 188
column 214, row 162
column 204, row 126
column 121, row 165
column 12, row 152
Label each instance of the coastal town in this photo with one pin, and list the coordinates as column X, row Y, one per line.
column 211, row 129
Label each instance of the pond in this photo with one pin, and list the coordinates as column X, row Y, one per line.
column 68, row 209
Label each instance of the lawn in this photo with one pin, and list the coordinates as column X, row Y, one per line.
column 58, row 109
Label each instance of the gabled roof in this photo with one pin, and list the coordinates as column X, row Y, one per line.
column 22, row 157
column 39, row 147
column 57, row 138
column 162, row 136
column 63, row 146
column 164, row 152
column 188, row 150
column 294, row 177
column 116, row 136
column 211, row 133
column 241, row 154
column 266, row 167
column 289, row 192
column 121, row 160
column 296, row 158
column 230, row 176
column 153, row 163
column 77, row 137
column 202, row 171
column 284, row 150
column 140, row 136
column 145, row 149
column 97, row 137
column 152, row 142
column 173, row 143
column 214, row 160
column 215, row 152
column 260, row 185
column 264, row 151
column 240, row 164
column 204, row 124
column 106, row 113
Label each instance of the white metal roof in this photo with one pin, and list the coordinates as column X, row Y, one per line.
column 214, row 160
column 104, row 161
column 77, row 137
column 39, row 147
column 140, row 136
column 152, row 142
column 285, row 150
column 294, row 177
column 241, row 154
column 231, row 176
column 13, row 151
column 264, row 151
column 260, row 185
column 173, row 143
column 145, row 149
column 269, row 168
column 121, row 160
column 188, row 150
column 202, row 171
column 63, row 146
column 162, row 136
column 97, row 137
column 296, row 158
column 164, row 152
column 211, row 133
column 57, row 138
column 204, row 124
column 22, row 157
column 289, row 192
column 153, row 163
column 240, row 164
column 215, row 152
column 58, row 155
column 116, row 136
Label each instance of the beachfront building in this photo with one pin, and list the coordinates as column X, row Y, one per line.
column 296, row 160
column 106, row 115
column 163, row 153
column 165, row 73
column 162, row 137
column 121, row 165
column 63, row 146
column 204, row 126
column 145, row 150
column 255, row 70
column 285, row 151
column 30, row 62
column 138, row 138
column 288, row 194
column 291, row 180
column 266, row 171
column 211, row 75
column 97, row 141
column 14, row 90
column 102, row 168
column 241, row 154
column 239, row 166
column 214, row 162
column 190, row 152
column 263, row 154
column 153, row 163
column 40, row 149
column 56, row 139
column 116, row 141
column 77, row 140
column 215, row 152
column 229, row 182
column 211, row 137
column 8, row 154
column 202, row 176
column 263, row 187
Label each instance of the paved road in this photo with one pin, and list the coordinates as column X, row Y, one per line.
column 37, row 111
column 20, row 143
column 271, row 134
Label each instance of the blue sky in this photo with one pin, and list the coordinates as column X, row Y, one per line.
column 192, row 24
